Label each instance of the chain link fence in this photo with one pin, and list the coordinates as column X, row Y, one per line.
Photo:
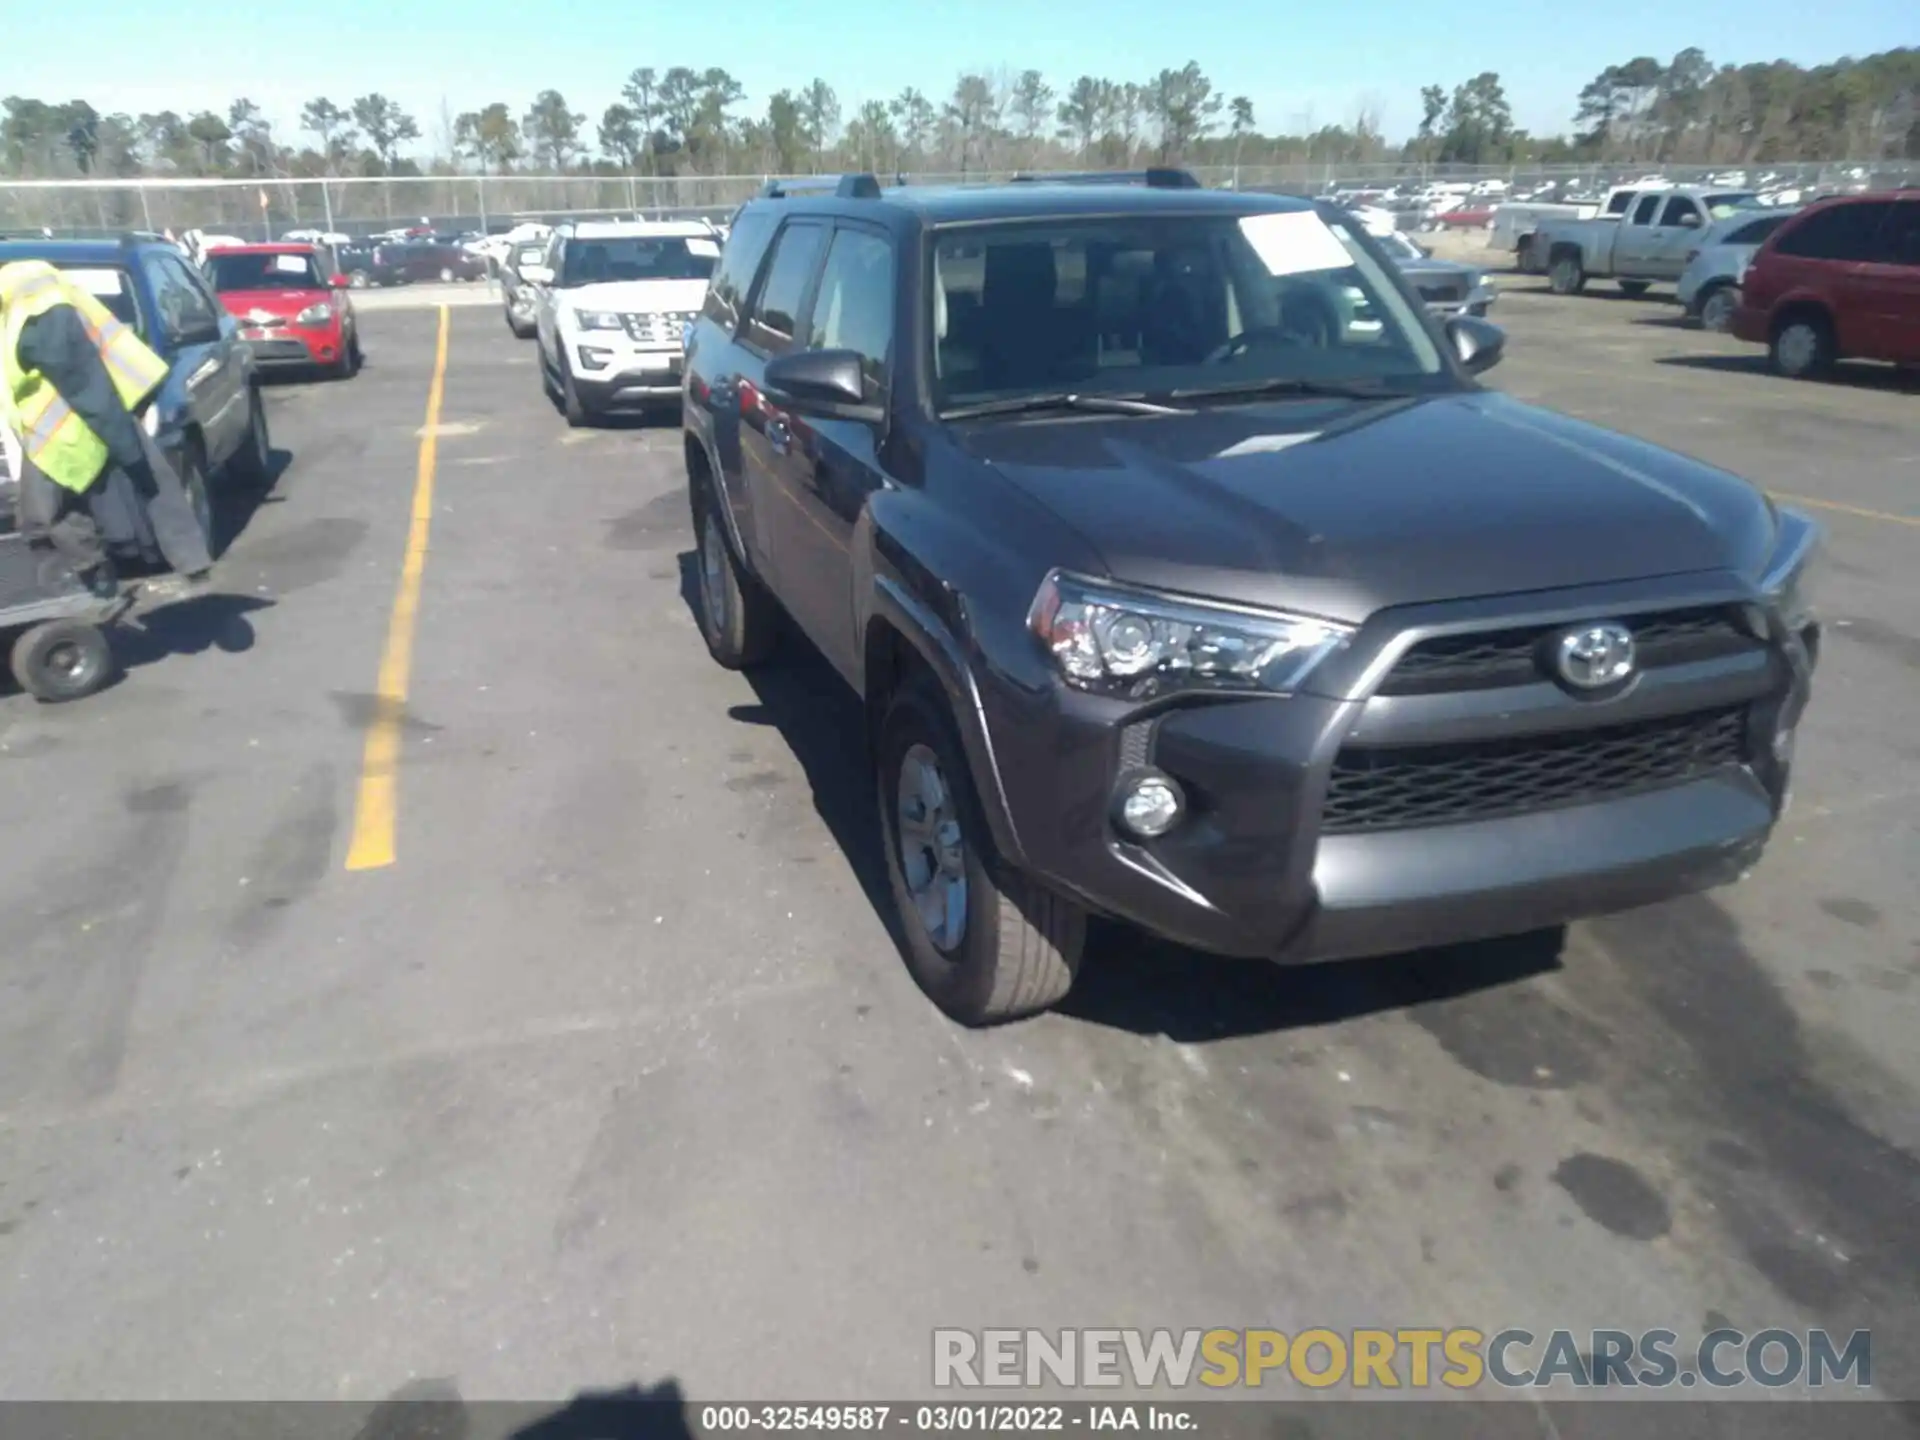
column 262, row 208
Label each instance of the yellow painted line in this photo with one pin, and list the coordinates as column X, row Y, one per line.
column 378, row 803
column 1865, row 514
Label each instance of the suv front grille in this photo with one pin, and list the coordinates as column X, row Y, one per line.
column 1400, row 787
column 1490, row 659
column 660, row 327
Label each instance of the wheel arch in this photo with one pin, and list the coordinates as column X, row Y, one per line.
column 901, row 638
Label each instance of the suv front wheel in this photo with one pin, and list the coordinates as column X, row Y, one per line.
column 985, row 943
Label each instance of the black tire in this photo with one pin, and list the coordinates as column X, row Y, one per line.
column 1019, row 945
column 1634, row 287
column 1714, row 309
column 1566, row 275
column 62, row 660
column 252, row 464
column 1527, row 259
column 738, row 619
column 520, row 332
column 1802, row 345
column 579, row 414
column 193, row 479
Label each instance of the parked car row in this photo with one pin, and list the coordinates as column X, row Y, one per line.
column 1835, row 280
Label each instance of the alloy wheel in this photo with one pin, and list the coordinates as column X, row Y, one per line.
column 933, row 848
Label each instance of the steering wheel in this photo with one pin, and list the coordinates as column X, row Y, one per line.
column 1257, row 337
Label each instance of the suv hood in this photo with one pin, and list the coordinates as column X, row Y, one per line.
column 1340, row 509
column 638, row 297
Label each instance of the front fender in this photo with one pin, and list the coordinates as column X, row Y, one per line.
column 943, row 653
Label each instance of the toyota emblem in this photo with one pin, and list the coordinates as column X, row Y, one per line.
column 1592, row 657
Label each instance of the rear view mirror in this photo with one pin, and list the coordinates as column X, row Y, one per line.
column 826, row 383
column 1478, row 343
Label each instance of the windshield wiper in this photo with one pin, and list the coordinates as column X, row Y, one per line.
column 1096, row 404
column 1291, row 385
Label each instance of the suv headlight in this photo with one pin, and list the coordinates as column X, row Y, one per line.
column 315, row 314
column 597, row 320
column 1790, row 579
column 1114, row 640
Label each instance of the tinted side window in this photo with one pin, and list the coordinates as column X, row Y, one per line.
column 1643, row 212
column 1619, row 203
column 183, row 307
column 1900, row 236
column 1754, row 232
column 1843, row 232
column 775, row 321
column 854, row 310
column 739, row 259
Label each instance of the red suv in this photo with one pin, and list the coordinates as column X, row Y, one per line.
column 1839, row 281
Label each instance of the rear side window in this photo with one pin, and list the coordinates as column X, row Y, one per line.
column 1901, row 234
column 775, row 321
column 1618, row 204
column 1643, row 212
column 1756, row 231
column 1840, row 232
column 746, row 246
column 854, row 309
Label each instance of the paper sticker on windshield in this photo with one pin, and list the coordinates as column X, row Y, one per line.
column 102, row 283
column 1294, row 242
column 290, row 264
column 703, row 247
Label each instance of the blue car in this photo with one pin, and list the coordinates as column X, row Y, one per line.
column 208, row 417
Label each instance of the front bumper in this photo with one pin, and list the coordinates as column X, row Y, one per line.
column 1274, row 860
column 616, row 375
column 288, row 347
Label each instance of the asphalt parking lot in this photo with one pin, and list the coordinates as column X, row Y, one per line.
column 613, row 1076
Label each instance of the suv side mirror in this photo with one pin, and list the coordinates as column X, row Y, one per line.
column 1478, row 343
column 826, row 383
column 340, row 282
column 536, row 274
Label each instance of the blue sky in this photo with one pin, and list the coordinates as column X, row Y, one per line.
column 1296, row 62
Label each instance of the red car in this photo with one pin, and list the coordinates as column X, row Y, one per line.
column 1839, row 281
column 292, row 313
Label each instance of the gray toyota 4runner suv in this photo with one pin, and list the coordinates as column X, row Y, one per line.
column 1174, row 596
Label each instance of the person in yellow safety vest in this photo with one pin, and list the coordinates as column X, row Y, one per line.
column 72, row 377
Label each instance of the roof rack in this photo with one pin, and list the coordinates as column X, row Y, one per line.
column 856, row 186
column 1156, row 177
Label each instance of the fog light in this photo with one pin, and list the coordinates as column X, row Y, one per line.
column 592, row 357
column 1150, row 804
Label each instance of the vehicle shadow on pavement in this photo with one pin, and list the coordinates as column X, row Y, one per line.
column 435, row 1410
column 1854, row 376
column 235, row 505
column 1137, row 982
column 799, row 695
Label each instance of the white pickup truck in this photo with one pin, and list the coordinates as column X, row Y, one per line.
column 1641, row 238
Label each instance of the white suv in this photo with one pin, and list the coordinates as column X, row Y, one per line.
column 611, row 316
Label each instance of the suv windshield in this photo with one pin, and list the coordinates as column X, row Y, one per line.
column 1150, row 304
column 265, row 272
column 592, row 260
